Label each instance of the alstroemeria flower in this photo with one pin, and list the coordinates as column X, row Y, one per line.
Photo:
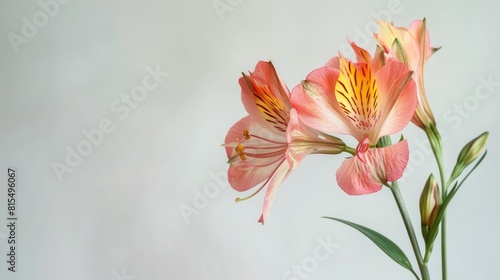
column 366, row 100
column 412, row 48
column 270, row 142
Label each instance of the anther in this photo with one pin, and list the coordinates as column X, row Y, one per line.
column 246, row 134
column 240, row 149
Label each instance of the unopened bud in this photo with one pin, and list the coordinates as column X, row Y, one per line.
column 430, row 200
column 469, row 153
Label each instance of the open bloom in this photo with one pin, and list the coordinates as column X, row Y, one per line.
column 265, row 146
column 367, row 100
column 412, row 47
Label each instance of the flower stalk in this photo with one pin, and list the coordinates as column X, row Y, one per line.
column 424, row 271
column 436, row 144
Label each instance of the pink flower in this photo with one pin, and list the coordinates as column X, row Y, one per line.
column 265, row 146
column 412, row 48
column 367, row 100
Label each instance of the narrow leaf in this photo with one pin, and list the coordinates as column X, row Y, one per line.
column 384, row 243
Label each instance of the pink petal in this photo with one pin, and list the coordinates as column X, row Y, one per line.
column 394, row 158
column 398, row 97
column 415, row 27
column 245, row 174
column 248, row 97
column 315, row 102
column 279, row 176
column 423, row 41
column 334, row 62
column 380, row 165
column 304, row 140
column 361, row 54
column 354, row 178
column 264, row 75
column 388, row 33
column 297, row 129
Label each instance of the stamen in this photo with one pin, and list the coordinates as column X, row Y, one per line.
column 238, row 199
column 265, row 139
column 264, row 147
column 246, row 134
column 240, row 149
column 266, row 164
column 267, row 155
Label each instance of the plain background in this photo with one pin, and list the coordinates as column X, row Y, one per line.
column 117, row 214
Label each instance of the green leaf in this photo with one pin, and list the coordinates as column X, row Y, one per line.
column 384, row 243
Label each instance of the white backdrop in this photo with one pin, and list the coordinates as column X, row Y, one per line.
column 112, row 211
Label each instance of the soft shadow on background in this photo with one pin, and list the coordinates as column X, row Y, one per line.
column 113, row 112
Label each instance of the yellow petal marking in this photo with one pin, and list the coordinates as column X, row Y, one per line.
column 271, row 108
column 357, row 94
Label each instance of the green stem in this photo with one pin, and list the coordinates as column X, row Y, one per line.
column 443, row 248
column 350, row 150
column 428, row 252
column 409, row 229
column 436, row 145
